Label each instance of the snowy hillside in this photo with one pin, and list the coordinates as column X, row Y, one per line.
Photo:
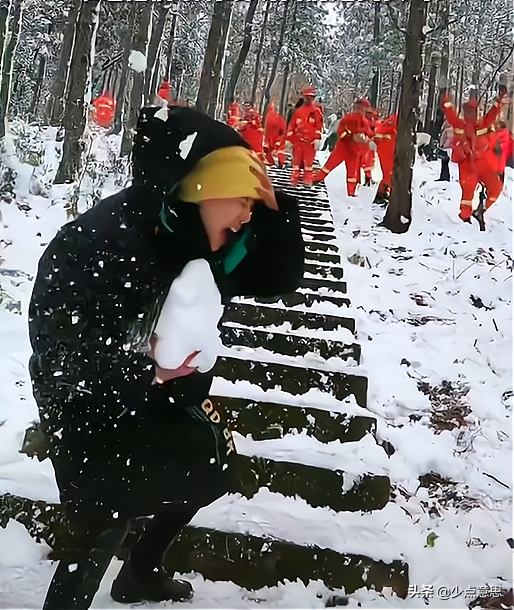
column 433, row 311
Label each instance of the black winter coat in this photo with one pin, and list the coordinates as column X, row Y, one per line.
column 117, row 442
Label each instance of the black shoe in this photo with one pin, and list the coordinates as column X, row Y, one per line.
column 127, row 590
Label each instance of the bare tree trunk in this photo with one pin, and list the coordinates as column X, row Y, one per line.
column 5, row 87
column 75, row 116
column 171, row 43
column 257, row 69
column 374, row 89
column 243, row 51
column 429, row 111
column 398, row 92
column 276, row 59
column 153, row 65
column 41, row 70
column 461, row 86
column 59, row 85
column 139, row 43
column 398, row 216
column 444, row 18
column 213, row 107
column 210, row 77
column 391, row 97
column 121, row 92
column 5, row 7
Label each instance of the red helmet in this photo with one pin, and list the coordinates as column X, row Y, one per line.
column 308, row 91
column 165, row 91
column 362, row 101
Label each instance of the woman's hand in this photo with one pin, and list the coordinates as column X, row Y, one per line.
column 163, row 375
column 266, row 191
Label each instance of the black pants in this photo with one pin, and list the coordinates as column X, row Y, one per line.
column 445, row 166
column 78, row 576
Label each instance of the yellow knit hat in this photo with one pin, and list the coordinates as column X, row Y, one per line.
column 223, row 174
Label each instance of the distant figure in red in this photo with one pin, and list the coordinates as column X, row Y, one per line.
column 234, row 114
column 274, row 136
column 251, row 129
column 165, row 91
column 502, row 145
column 303, row 132
column 104, row 108
column 385, row 140
column 354, row 134
column 472, row 150
column 368, row 157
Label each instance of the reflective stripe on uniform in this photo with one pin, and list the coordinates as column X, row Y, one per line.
column 459, row 131
column 481, row 132
column 351, row 180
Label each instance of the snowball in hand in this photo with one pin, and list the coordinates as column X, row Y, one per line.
column 189, row 320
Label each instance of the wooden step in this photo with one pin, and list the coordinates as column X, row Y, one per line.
column 326, row 271
column 316, row 228
column 322, row 284
column 307, row 299
column 319, row 487
column 289, row 345
column 251, row 315
column 313, row 219
column 253, row 563
column 292, row 379
column 248, row 561
column 266, row 420
column 320, row 236
column 322, row 257
column 320, row 246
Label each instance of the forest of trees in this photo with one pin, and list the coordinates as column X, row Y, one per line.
column 56, row 56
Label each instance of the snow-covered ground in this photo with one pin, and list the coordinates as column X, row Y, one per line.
column 432, row 307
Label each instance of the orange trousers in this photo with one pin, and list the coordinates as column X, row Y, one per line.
column 353, row 158
column 471, row 173
column 303, row 157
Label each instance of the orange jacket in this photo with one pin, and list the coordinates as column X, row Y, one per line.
column 471, row 139
column 306, row 124
column 385, row 134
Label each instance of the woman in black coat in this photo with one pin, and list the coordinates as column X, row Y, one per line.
column 128, row 439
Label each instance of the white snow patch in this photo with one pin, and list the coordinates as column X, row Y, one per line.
column 137, row 61
column 185, row 145
column 162, row 114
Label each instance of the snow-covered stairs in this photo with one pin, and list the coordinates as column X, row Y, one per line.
column 290, row 372
column 290, row 386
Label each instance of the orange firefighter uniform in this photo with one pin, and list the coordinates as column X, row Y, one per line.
column 234, row 115
column 303, row 131
column 274, row 136
column 368, row 158
column 104, row 108
column 385, row 140
column 251, row 130
column 472, row 151
column 354, row 132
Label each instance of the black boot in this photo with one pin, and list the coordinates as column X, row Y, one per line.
column 445, row 169
column 76, row 580
column 127, row 589
column 142, row 577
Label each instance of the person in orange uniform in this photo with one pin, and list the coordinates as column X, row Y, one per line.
column 251, row 130
column 354, row 134
column 104, row 108
column 472, row 151
column 274, row 136
column 501, row 143
column 303, row 132
column 234, row 114
column 385, row 140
